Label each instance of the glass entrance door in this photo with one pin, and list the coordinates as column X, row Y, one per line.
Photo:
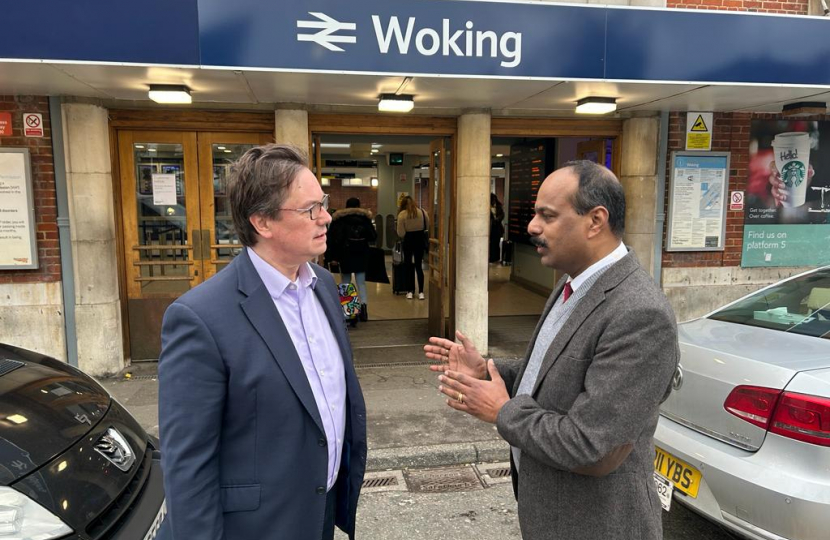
column 177, row 228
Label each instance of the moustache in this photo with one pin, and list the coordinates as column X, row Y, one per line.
column 538, row 241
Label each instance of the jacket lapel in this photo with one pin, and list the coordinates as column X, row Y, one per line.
column 587, row 304
column 265, row 318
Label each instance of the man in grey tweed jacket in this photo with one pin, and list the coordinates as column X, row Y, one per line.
column 580, row 411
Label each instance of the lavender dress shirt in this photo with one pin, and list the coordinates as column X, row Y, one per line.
column 306, row 322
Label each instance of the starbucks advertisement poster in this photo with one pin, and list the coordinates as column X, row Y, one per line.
column 787, row 214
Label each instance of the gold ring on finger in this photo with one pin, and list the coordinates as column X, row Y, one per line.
column 460, row 397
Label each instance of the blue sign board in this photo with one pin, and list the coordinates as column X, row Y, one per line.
column 428, row 37
column 408, row 36
column 149, row 32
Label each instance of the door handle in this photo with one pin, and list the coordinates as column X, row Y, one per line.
column 196, row 241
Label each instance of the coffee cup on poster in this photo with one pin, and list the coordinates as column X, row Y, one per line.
column 792, row 159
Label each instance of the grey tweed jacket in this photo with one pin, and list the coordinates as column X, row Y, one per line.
column 598, row 389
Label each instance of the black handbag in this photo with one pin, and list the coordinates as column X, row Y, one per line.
column 376, row 269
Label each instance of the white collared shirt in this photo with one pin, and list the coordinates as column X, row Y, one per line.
column 620, row 252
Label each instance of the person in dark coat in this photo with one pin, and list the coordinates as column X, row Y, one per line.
column 350, row 234
column 496, row 227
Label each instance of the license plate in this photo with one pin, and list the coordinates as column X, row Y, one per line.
column 664, row 490
column 683, row 476
column 154, row 528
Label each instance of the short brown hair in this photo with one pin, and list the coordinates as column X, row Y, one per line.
column 259, row 183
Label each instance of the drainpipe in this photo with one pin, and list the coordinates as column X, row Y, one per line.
column 67, row 268
column 661, row 196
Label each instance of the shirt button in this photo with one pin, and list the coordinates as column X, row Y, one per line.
column 321, row 490
column 321, row 442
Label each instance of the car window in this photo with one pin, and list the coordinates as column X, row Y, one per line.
column 798, row 306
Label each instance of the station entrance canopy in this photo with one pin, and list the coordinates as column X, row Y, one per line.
column 428, row 37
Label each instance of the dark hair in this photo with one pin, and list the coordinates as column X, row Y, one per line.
column 259, row 183
column 353, row 202
column 598, row 186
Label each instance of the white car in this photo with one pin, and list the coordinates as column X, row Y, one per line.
column 744, row 438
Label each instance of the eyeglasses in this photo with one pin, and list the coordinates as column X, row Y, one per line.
column 314, row 210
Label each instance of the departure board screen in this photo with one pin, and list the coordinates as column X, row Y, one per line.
column 529, row 163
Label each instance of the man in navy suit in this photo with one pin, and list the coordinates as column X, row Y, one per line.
column 262, row 420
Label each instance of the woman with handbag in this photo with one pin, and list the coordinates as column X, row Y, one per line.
column 413, row 229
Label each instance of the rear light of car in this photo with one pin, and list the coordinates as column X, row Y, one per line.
column 754, row 404
column 796, row 416
column 803, row 417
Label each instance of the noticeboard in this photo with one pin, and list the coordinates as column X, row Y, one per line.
column 18, row 243
column 697, row 208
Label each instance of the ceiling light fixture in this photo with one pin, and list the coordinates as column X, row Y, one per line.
column 170, row 93
column 335, row 145
column 804, row 108
column 596, row 105
column 394, row 103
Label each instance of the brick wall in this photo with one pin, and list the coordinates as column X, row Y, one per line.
column 338, row 194
column 731, row 134
column 43, row 182
column 793, row 7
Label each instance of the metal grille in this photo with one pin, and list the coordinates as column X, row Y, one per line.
column 380, row 482
column 442, row 480
column 7, row 366
column 499, row 472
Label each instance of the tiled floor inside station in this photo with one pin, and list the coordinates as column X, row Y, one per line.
column 506, row 298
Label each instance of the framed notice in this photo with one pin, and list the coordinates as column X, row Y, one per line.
column 697, row 208
column 18, row 244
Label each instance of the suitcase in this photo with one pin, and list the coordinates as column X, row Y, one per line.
column 506, row 253
column 350, row 302
column 403, row 279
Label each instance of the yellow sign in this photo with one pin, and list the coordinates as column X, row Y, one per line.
column 699, row 124
column 699, row 131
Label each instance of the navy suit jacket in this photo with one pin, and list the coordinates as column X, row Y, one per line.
column 244, row 451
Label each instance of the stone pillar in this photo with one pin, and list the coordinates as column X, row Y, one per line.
column 92, row 226
column 291, row 127
column 639, row 179
column 472, row 226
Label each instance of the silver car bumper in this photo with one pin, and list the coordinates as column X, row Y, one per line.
column 780, row 492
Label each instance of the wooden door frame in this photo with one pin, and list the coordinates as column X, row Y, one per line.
column 160, row 120
column 608, row 128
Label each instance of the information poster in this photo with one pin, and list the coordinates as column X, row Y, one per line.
column 164, row 189
column 18, row 246
column 697, row 210
column 787, row 208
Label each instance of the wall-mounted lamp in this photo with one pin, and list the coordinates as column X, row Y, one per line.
column 804, row 108
column 395, row 103
column 374, row 182
column 596, row 105
column 170, row 93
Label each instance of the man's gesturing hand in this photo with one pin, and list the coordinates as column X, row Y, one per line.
column 482, row 399
column 462, row 358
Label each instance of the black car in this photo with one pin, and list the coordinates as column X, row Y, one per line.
column 74, row 464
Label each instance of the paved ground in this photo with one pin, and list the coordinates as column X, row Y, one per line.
column 411, row 428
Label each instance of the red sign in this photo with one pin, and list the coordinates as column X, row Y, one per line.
column 5, row 124
column 736, row 201
column 33, row 125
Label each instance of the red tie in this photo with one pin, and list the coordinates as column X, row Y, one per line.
column 566, row 292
